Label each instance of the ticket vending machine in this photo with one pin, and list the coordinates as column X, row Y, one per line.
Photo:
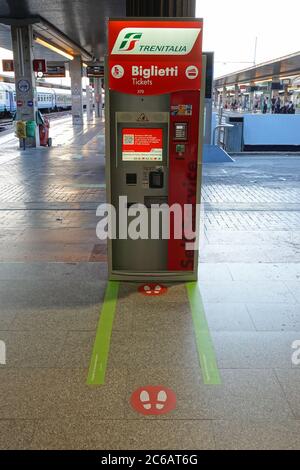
column 154, row 107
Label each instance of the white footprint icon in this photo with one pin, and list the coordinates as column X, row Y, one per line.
column 145, row 399
column 157, row 289
column 161, row 397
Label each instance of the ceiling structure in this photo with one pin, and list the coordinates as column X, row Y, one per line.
column 161, row 8
column 39, row 52
column 77, row 25
column 281, row 67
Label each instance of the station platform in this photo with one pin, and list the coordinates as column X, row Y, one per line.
column 53, row 277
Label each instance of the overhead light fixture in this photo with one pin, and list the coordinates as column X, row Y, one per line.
column 53, row 48
column 289, row 76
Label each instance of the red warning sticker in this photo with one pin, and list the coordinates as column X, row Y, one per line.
column 152, row 289
column 153, row 400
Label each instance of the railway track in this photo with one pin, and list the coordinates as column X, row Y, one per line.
column 4, row 123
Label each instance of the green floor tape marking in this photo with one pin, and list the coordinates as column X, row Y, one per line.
column 96, row 375
column 204, row 342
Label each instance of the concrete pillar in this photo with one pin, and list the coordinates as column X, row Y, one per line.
column 216, row 98
column 98, row 97
column 276, row 81
column 76, row 90
column 236, row 93
column 286, row 93
column 89, row 114
column 252, row 100
column 94, row 97
column 224, row 96
column 26, row 96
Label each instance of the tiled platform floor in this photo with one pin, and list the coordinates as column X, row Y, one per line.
column 52, row 282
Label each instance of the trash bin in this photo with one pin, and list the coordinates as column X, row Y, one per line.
column 30, row 128
column 21, row 129
column 235, row 134
column 44, row 125
column 44, row 133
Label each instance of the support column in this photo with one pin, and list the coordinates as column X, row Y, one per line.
column 94, row 97
column 76, row 90
column 236, row 93
column 286, row 93
column 98, row 97
column 224, row 96
column 89, row 115
column 275, row 84
column 252, row 99
column 26, row 97
column 216, row 98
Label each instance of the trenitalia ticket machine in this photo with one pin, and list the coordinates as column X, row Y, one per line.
column 154, row 107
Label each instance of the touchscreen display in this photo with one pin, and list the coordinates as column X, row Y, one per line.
column 142, row 144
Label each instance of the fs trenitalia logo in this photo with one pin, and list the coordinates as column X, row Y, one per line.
column 130, row 40
column 156, row 41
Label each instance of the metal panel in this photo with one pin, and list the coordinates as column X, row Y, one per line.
column 137, row 255
column 161, row 8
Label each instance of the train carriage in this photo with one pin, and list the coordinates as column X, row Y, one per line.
column 49, row 99
column 46, row 98
column 7, row 101
column 63, row 100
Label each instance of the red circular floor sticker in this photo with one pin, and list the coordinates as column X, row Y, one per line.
column 153, row 400
column 152, row 289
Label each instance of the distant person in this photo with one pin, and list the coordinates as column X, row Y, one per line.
column 265, row 105
column 234, row 105
column 277, row 105
column 284, row 108
column 291, row 108
column 273, row 102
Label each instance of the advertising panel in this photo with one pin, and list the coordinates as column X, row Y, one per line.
column 7, row 65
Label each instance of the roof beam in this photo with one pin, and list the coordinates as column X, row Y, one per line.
column 283, row 66
column 49, row 33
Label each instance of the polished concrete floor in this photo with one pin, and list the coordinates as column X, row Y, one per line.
column 52, row 283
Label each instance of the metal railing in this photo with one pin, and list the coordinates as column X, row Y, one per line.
column 222, row 136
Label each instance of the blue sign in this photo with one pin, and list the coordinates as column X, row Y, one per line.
column 30, row 103
column 23, row 86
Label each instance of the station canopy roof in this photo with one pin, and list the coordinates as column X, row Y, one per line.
column 76, row 26
column 281, row 67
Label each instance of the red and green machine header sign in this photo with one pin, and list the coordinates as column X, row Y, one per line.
column 154, row 57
